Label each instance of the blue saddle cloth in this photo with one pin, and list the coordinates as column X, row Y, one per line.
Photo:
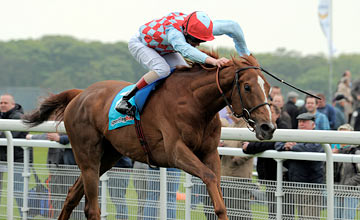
column 116, row 119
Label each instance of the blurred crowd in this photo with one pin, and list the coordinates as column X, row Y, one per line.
column 342, row 108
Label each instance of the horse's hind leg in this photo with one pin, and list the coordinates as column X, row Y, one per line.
column 73, row 198
column 88, row 183
column 76, row 192
column 109, row 157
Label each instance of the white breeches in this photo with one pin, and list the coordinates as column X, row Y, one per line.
column 152, row 60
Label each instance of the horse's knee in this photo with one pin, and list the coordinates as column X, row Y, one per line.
column 221, row 213
column 210, row 178
column 92, row 214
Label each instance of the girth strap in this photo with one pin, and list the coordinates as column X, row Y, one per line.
column 144, row 143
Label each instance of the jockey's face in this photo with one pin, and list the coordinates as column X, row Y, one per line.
column 194, row 44
column 193, row 41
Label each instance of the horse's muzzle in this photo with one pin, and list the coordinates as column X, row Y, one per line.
column 264, row 131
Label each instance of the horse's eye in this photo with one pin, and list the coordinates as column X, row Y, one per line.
column 247, row 88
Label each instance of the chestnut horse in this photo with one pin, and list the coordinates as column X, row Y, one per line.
column 180, row 122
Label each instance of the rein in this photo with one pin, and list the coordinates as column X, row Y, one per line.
column 246, row 114
column 282, row 81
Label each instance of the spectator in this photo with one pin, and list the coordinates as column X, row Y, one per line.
column 347, row 174
column 339, row 103
column 266, row 167
column 153, row 194
column 327, row 109
column 68, row 158
column 241, row 167
column 65, row 179
column 199, row 194
column 278, row 100
column 355, row 93
column 225, row 113
column 118, row 186
column 321, row 121
column 355, row 119
column 275, row 90
column 55, row 156
column 344, row 88
column 11, row 110
column 302, row 108
column 140, row 184
column 291, row 108
column 347, row 74
column 303, row 171
column 58, row 179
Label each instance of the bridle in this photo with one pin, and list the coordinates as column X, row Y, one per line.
column 246, row 113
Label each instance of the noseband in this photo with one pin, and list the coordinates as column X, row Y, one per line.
column 246, row 113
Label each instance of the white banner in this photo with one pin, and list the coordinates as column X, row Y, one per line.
column 324, row 17
column 325, row 23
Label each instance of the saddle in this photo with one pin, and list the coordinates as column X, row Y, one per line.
column 116, row 119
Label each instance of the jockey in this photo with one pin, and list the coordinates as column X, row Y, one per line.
column 161, row 44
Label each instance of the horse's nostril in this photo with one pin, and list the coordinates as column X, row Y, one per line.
column 265, row 127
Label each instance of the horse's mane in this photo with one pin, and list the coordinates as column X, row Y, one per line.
column 196, row 66
column 247, row 60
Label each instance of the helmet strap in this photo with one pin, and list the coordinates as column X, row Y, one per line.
column 187, row 24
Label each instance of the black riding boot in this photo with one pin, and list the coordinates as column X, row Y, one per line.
column 124, row 107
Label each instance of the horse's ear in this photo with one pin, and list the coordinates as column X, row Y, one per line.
column 253, row 60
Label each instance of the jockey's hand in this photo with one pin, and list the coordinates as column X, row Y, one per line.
column 216, row 62
column 220, row 62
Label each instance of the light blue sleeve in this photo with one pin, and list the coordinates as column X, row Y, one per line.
column 233, row 30
column 178, row 42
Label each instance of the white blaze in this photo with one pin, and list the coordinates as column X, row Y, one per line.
column 261, row 84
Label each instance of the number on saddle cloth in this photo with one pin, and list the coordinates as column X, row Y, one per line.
column 116, row 119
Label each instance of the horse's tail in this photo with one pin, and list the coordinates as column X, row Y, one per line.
column 53, row 105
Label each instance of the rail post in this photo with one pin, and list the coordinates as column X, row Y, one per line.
column 10, row 185
column 26, row 176
column 104, row 185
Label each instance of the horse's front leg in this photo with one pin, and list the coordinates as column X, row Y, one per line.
column 212, row 161
column 186, row 160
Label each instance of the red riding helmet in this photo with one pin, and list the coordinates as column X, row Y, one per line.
column 199, row 25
